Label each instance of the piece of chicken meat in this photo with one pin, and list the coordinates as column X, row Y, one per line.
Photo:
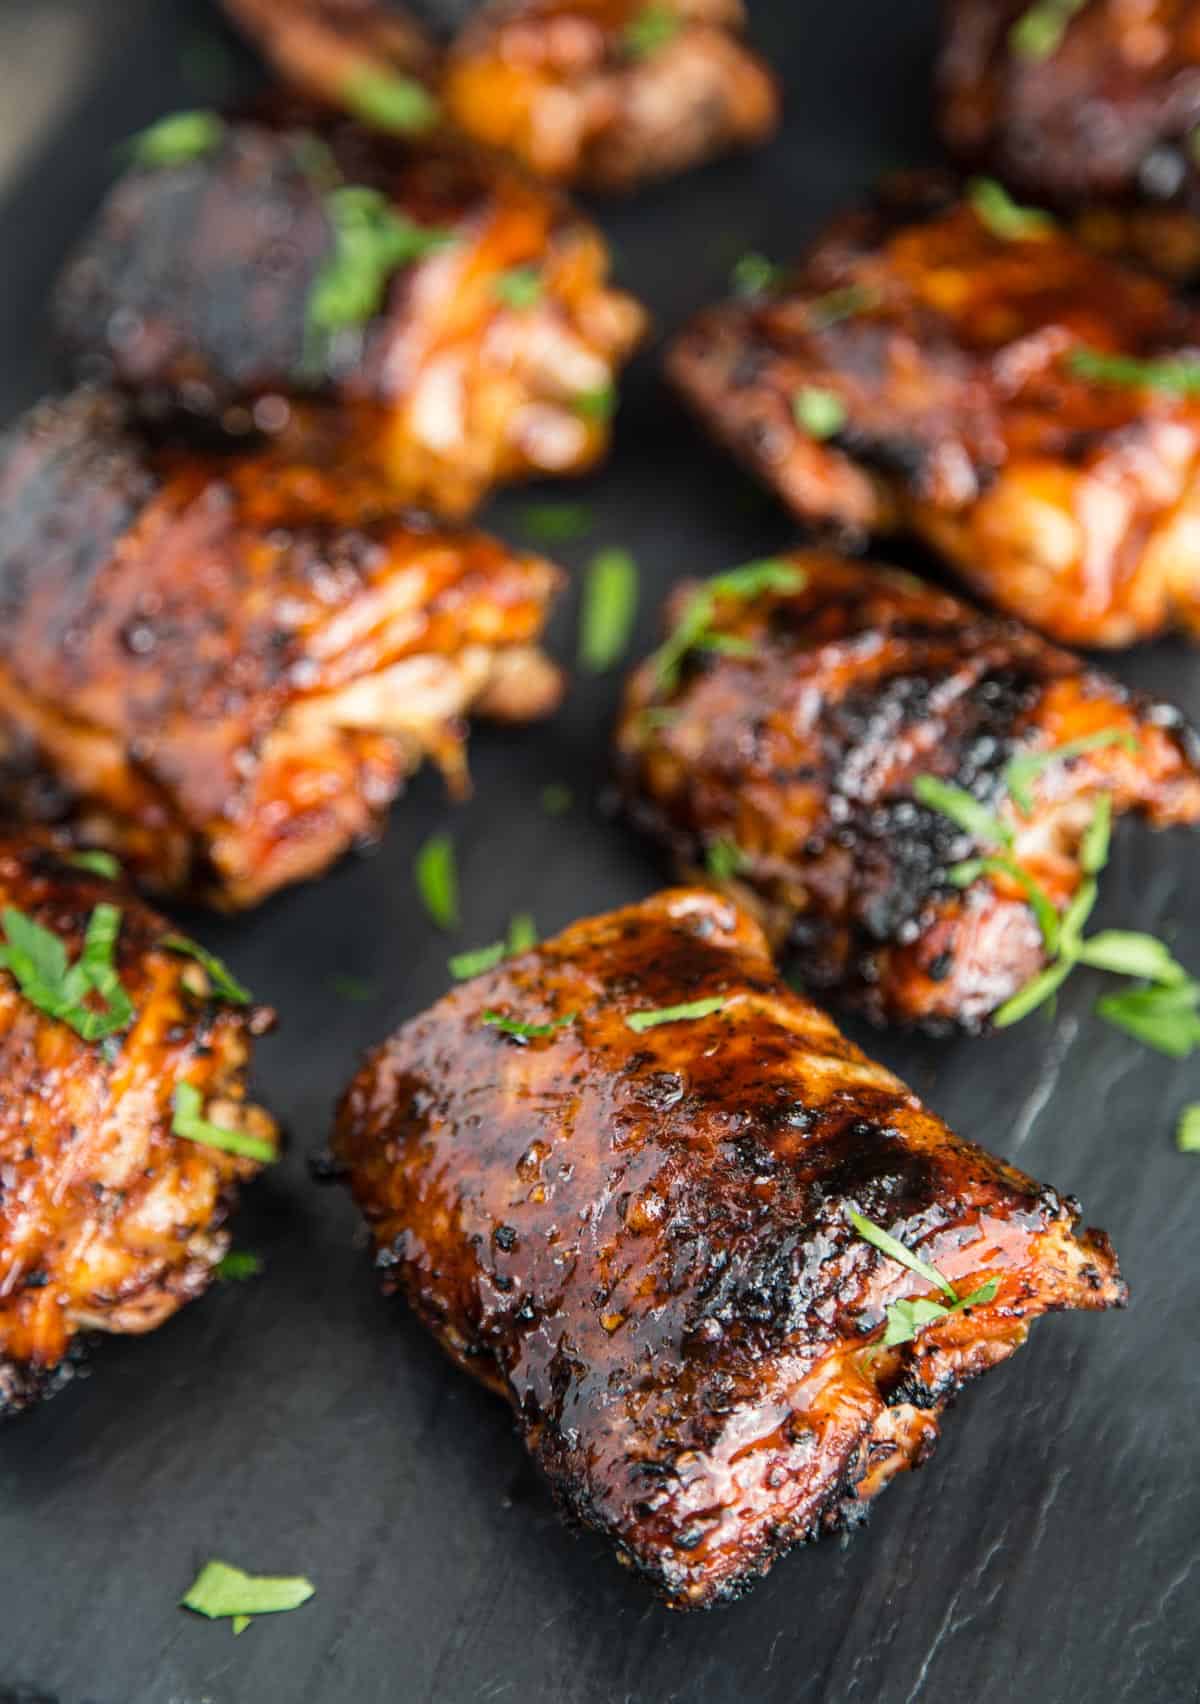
column 458, row 315
column 638, row 1231
column 114, row 1188
column 963, row 368
column 230, row 665
column 779, row 751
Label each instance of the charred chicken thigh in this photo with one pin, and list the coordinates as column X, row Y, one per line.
column 963, row 368
column 781, row 753
column 122, row 1147
column 616, row 1179
column 231, row 665
column 457, row 314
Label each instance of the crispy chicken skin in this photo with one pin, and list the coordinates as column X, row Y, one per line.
column 608, row 93
column 199, row 282
column 108, row 1222
column 231, row 665
column 643, row 1241
column 952, row 407
column 800, row 750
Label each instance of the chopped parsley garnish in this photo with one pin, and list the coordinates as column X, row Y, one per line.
column 820, row 413
column 37, row 958
column 391, row 102
column 723, row 859
column 1038, row 33
column 178, row 138
column 598, row 404
column 556, row 523
column 841, row 304
column 1176, row 375
column 1164, row 1018
column 523, row 1032
column 639, row 1021
column 905, row 1318
column 996, row 864
column 557, row 799
column 962, row 808
column 610, row 598
column 96, row 864
column 520, row 287
column 436, row 872
column 522, row 934
column 1002, row 216
column 653, row 28
column 355, row 988
column 223, row 1592
column 190, row 1123
column 225, row 984
column 754, row 275
column 1027, row 766
column 1187, row 1131
column 238, row 1265
column 695, row 631
column 371, row 241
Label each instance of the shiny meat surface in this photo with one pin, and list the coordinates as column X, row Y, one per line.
column 643, row 1240
column 918, row 370
column 231, row 665
column 108, row 1222
column 800, row 748
column 207, row 284
column 607, row 93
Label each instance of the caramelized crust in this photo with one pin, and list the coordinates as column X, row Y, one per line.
column 108, row 1222
column 1069, row 500
column 643, row 1241
column 195, row 285
column 231, row 665
column 608, row 93
column 800, row 749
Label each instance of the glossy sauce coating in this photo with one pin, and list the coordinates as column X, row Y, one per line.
column 800, row 750
column 232, row 664
column 1066, row 499
column 642, row 1241
column 108, row 1222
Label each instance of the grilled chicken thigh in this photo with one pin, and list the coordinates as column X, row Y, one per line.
column 964, row 369
column 458, row 315
column 109, row 1219
column 231, row 665
column 781, row 750
column 643, row 1240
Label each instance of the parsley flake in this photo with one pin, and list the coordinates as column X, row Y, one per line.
column 522, row 934
column 820, row 413
column 37, row 959
column 371, row 241
column 1038, row 33
column 695, row 630
column 610, row 599
column 652, row 29
column 556, row 523
column 391, row 102
column 962, row 808
column 1028, row 765
column 723, row 859
column 436, row 873
column 225, row 985
column 841, row 304
column 238, row 1265
column 178, row 138
column 1187, row 1131
column 190, row 1123
column 597, row 404
column 221, row 1591
column 755, row 275
column 523, row 1032
column 520, row 287
column 906, row 1317
column 1175, row 375
column 640, row 1021
column 96, row 863
column 1002, row 216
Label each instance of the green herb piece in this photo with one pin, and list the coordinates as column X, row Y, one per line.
column 391, row 102
column 1038, row 33
column 653, row 28
column 463, row 966
column 520, row 287
column 522, row 934
column 962, row 875
column 190, row 1123
column 96, row 863
column 557, row 799
column 1027, row 766
column 37, row 959
column 356, row 988
column 610, row 598
column 525, row 1032
column 1128, row 953
column 1163, row 1018
column 1035, row 993
column 963, row 809
column 598, row 404
column 178, row 138
column 694, row 629
column 820, row 413
column 754, row 275
column 1093, row 848
column 224, row 984
column 723, row 859
column 436, row 874
column 238, row 1265
column 556, row 523
column 371, row 241
column 239, row 1623
column 1002, row 216
column 639, row 1021
column 1076, row 913
column 1187, row 1131
column 888, row 1244
column 905, row 1318
column 1177, row 375
column 841, row 304
column 221, row 1591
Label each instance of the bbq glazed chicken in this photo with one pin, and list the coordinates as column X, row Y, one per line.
column 230, row 665
column 124, row 1127
column 780, row 753
column 458, row 315
column 962, row 368
column 638, row 1231
column 600, row 93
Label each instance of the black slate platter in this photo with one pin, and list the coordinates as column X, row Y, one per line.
column 297, row 1423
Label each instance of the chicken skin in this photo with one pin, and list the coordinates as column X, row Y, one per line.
column 111, row 1217
column 230, row 665
column 961, row 368
column 781, row 752
column 639, row 1233
column 458, row 315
